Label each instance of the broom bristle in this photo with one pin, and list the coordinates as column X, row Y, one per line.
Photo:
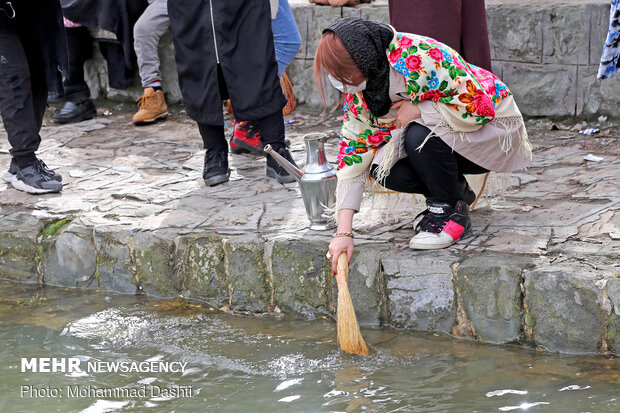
column 349, row 336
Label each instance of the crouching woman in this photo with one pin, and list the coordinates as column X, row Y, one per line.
column 417, row 117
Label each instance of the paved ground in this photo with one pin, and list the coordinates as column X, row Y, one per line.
column 150, row 177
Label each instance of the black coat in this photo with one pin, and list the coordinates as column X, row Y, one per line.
column 46, row 17
column 243, row 45
column 118, row 17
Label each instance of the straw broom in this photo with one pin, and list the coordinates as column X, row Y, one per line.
column 349, row 337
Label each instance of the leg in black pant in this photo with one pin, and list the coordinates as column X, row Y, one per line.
column 21, row 105
column 79, row 106
column 437, row 165
column 23, row 95
column 435, row 171
column 80, row 49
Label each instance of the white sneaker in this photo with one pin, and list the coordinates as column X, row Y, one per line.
column 442, row 226
column 430, row 241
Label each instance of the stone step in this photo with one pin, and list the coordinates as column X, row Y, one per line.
column 569, row 304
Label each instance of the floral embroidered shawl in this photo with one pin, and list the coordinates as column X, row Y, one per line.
column 610, row 59
column 432, row 71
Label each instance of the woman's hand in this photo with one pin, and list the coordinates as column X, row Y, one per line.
column 338, row 246
column 406, row 113
column 342, row 243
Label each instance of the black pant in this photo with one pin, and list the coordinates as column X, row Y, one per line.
column 271, row 126
column 79, row 49
column 23, row 91
column 433, row 171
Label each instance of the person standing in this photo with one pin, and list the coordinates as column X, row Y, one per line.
column 461, row 24
column 287, row 41
column 32, row 49
column 110, row 22
column 147, row 32
column 224, row 49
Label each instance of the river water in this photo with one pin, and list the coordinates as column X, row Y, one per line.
column 251, row 364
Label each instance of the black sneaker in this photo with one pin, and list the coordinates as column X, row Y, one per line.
column 47, row 171
column 275, row 170
column 434, row 217
column 76, row 112
column 216, row 169
column 442, row 226
column 33, row 179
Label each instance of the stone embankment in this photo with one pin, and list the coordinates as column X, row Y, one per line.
column 542, row 269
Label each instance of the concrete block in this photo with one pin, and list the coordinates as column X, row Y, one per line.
column 612, row 336
column 490, row 288
column 498, row 69
column 516, row 32
column 599, row 29
column 376, row 13
column 204, row 273
column 115, row 268
column 364, row 283
column 563, row 308
column 247, row 276
column 71, row 260
column 320, row 18
column 153, row 254
column 597, row 97
column 19, row 252
column 301, row 277
column 419, row 290
column 566, row 34
column 303, row 17
column 549, row 90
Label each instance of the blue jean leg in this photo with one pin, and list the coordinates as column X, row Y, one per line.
column 286, row 38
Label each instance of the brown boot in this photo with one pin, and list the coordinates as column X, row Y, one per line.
column 152, row 106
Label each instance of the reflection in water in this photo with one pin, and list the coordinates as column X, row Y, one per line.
column 239, row 363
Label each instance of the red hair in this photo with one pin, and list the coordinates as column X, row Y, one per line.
column 333, row 58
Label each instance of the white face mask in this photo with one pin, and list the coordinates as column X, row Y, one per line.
column 346, row 88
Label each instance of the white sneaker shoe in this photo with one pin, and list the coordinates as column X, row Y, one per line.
column 442, row 226
column 430, row 241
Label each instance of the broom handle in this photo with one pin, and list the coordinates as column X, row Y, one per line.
column 342, row 276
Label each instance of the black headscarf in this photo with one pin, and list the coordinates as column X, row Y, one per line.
column 367, row 43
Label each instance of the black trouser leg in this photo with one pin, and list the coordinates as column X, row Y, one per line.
column 272, row 130
column 437, row 166
column 23, row 95
column 79, row 49
column 403, row 178
column 213, row 137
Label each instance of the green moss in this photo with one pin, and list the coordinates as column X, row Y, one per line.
column 530, row 320
column 40, row 254
column 53, row 227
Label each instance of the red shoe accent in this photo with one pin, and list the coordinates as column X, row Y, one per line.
column 453, row 229
column 247, row 132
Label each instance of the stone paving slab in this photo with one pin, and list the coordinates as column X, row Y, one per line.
column 135, row 217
